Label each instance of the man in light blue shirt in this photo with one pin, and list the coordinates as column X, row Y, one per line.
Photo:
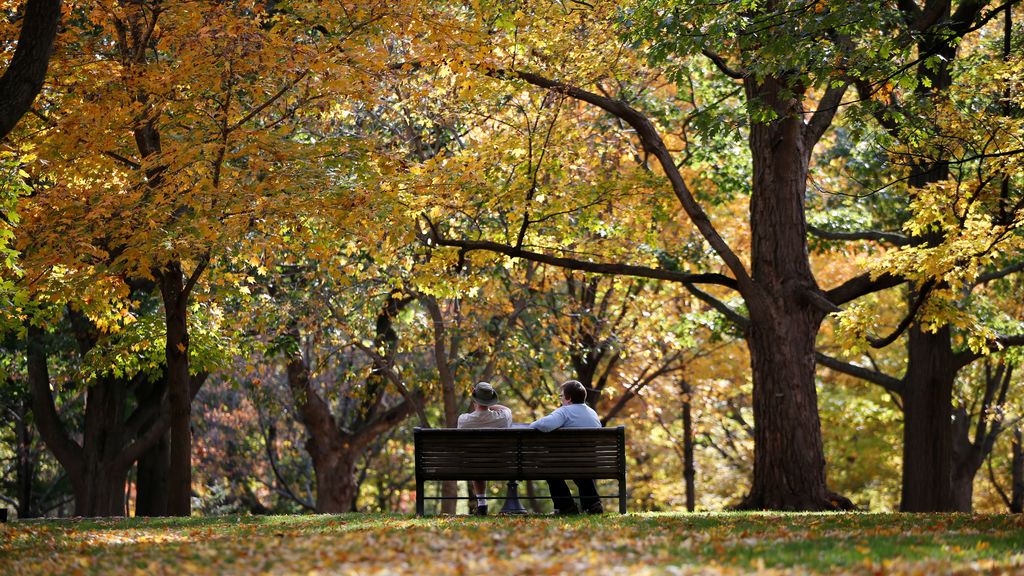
column 573, row 413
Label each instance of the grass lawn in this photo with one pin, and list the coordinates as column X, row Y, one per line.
column 609, row 544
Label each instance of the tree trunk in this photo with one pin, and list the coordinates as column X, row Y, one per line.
column 104, row 493
column 334, row 454
column 1017, row 473
column 534, row 503
column 967, row 460
column 789, row 458
column 153, row 467
column 175, row 297
column 25, row 465
column 98, row 467
column 24, row 76
column 689, row 472
column 151, row 477
column 103, row 439
column 449, row 489
column 963, row 492
column 336, row 483
column 927, row 417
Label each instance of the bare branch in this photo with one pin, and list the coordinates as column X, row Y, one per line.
column 822, row 117
column 733, row 316
column 1001, row 273
column 884, row 380
column 861, row 286
column 274, row 98
column 722, row 65
column 435, row 237
column 877, row 235
column 907, row 320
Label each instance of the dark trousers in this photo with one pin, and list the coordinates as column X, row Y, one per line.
column 562, row 497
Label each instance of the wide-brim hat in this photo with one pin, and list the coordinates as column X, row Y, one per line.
column 484, row 394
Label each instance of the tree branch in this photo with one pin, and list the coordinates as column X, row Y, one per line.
column 252, row 114
column 48, row 422
column 435, row 237
column 822, row 118
column 653, row 144
column 876, row 235
column 922, row 295
column 861, row 286
column 1001, row 273
column 722, row 65
column 884, row 380
column 733, row 316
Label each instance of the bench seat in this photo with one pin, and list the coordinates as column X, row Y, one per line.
column 519, row 454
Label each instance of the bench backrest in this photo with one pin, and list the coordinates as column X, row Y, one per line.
column 519, row 453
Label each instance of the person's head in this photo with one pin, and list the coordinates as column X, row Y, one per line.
column 573, row 392
column 484, row 395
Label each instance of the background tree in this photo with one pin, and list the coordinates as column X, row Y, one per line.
column 26, row 71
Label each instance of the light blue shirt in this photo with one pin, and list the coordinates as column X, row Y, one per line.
column 569, row 416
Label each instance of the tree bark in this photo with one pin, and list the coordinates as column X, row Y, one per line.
column 927, row 416
column 1017, row 472
column 966, row 461
column 335, row 480
column 151, row 475
column 689, row 471
column 442, row 356
column 175, row 297
column 24, row 76
column 153, row 467
column 105, row 474
column 969, row 454
column 789, row 458
column 25, row 465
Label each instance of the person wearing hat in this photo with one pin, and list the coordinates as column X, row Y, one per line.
column 487, row 413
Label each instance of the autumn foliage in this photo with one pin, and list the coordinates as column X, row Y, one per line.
column 246, row 246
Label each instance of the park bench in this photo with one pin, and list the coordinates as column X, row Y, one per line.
column 519, row 454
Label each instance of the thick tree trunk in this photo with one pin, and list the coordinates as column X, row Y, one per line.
column 1017, row 472
column 24, row 76
column 151, row 476
column 153, row 467
column 111, row 439
column 927, row 423
column 335, row 453
column 104, row 493
column 102, row 442
column 789, row 458
column 336, row 483
column 175, row 297
column 927, row 484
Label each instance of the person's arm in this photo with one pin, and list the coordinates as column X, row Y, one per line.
column 550, row 422
column 504, row 412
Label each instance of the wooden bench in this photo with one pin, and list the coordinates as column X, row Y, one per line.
column 519, row 454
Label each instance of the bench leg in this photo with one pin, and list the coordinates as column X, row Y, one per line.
column 419, row 498
column 622, row 495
